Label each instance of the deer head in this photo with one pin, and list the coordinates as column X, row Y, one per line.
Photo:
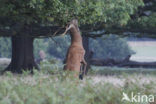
column 71, row 25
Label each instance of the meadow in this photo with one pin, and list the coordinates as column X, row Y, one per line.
column 102, row 85
column 54, row 86
column 145, row 50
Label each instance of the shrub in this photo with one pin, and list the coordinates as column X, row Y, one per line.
column 59, row 46
column 110, row 46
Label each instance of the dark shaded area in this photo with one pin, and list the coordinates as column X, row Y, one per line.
column 22, row 55
column 85, row 41
column 122, row 63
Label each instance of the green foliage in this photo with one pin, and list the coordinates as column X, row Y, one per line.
column 51, row 64
column 63, row 88
column 145, row 22
column 119, row 71
column 110, row 47
column 40, row 44
column 58, row 46
column 59, row 12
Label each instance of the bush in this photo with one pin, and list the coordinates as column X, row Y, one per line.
column 40, row 44
column 111, row 46
column 58, row 47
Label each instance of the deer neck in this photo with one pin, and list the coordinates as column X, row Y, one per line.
column 76, row 37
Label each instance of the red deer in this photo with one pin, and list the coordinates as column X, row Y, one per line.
column 75, row 55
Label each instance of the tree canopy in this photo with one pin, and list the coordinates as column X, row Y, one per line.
column 43, row 17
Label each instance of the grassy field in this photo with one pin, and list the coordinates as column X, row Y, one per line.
column 145, row 50
column 101, row 86
column 42, row 88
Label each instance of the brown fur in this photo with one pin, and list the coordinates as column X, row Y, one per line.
column 76, row 52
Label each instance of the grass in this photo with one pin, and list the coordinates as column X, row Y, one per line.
column 103, row 85
column 58, row 87
column 120, row 71
column 145, row 50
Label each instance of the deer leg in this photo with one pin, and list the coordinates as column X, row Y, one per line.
column 81, row 71
column 85, row 65
column 83, row 68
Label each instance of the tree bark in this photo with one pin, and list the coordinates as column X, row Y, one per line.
column 22, row 55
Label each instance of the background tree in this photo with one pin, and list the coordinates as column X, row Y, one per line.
column 24, row 20
column 110, row 47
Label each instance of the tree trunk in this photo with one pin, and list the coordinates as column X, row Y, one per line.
column 22, row 55
column 87, row 54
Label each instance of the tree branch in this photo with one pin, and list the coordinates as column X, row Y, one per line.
column 123, row 31
column 50, row 31
column 32, row 31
